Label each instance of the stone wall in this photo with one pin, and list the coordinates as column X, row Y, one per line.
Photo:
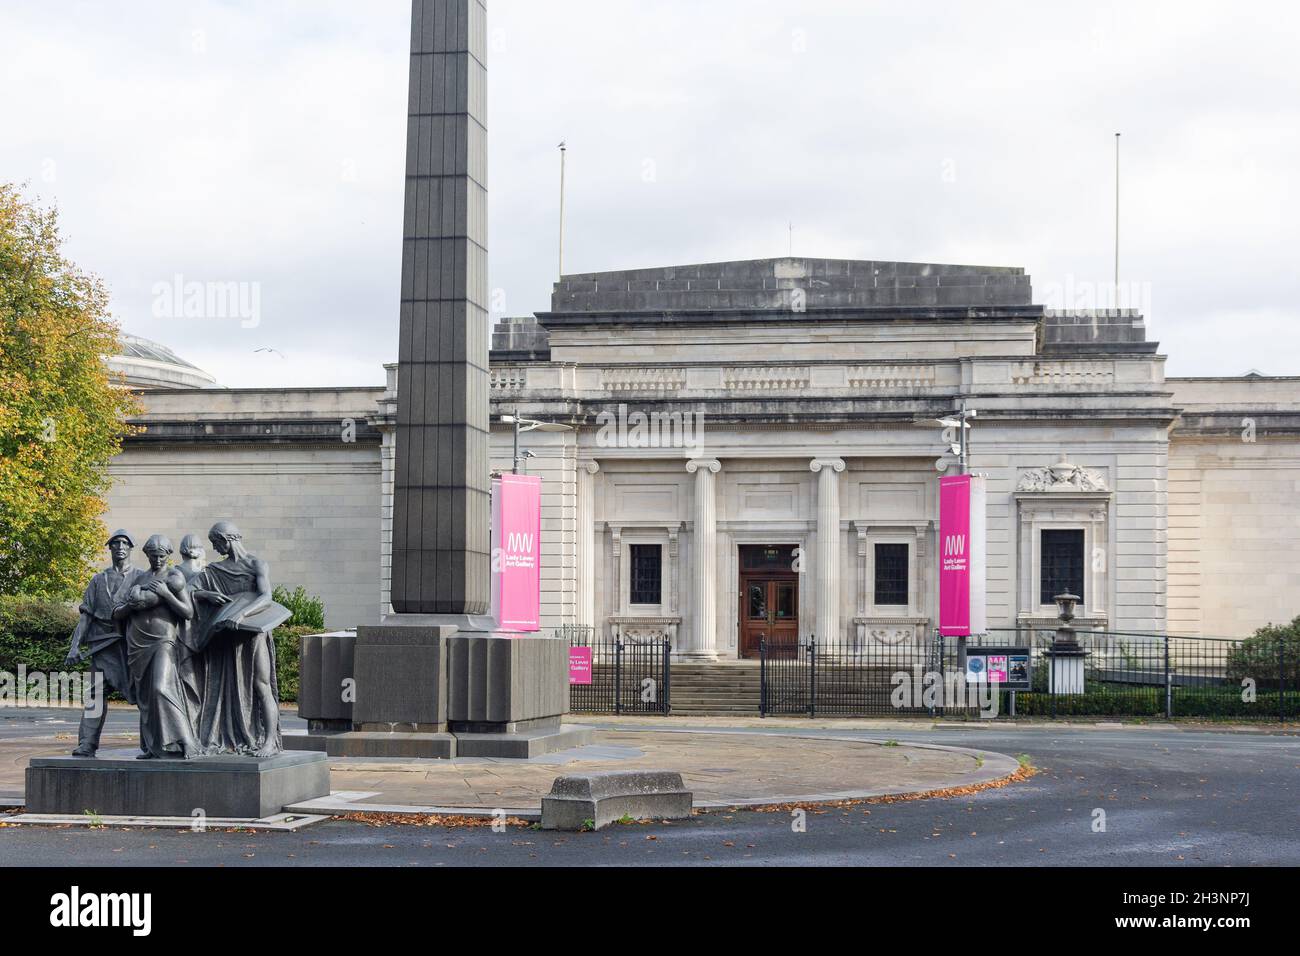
column 313, row 513
column 1234, row 505
column 297, row 469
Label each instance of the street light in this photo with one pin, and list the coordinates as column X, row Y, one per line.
column 959, row 419
column 530, row 425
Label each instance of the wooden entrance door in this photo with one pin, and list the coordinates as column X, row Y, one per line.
column 769, row 597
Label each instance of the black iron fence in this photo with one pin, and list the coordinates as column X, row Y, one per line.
column 1123, row 675
column 627, row 676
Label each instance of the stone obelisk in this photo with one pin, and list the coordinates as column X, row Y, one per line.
column 441, row 504
column 433, row 679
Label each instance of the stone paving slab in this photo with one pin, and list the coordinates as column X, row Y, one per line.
column 722, row 768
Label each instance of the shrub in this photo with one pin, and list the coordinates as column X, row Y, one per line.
column 288, row 647
column 1257, row 656
column 308, row 611
column 35, row 632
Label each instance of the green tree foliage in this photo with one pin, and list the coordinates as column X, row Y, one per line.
column 308, row 618
column 62, row 413
column 308, row 610
column 1272, row 650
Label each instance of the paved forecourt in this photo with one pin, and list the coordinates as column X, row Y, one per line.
column 726, row 767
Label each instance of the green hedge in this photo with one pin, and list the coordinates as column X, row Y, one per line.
column 1103, row 702
column 35, row 632
column 288, row 644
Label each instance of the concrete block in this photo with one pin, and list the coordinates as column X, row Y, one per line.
column 605, row 798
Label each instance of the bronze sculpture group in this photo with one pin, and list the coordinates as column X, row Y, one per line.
column 190, row 645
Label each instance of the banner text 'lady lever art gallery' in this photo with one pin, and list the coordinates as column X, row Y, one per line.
column 962, row 521
column 516, row 552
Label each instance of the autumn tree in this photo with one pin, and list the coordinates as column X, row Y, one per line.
column 62, row 412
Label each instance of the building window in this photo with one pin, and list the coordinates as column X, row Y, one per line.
column 1061, row 563
column 645, row 573
column 891, row 574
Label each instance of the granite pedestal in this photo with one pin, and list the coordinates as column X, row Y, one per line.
column 429, row 685
column 506, row 695
column 117, row 784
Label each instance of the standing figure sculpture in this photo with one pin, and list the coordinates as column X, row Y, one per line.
column 191, row 556
column 154, row 610
column 239, row 710
column 98, row 636
column 189, row 661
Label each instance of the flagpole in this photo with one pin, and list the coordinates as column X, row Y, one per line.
column 561, row 257
column 1117, row 220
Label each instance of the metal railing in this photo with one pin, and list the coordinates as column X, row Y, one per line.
column 1128, row 674
column 1124, row 675
column 843, row 678
column 627, row 676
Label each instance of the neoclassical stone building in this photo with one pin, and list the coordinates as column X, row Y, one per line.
column 755, row 451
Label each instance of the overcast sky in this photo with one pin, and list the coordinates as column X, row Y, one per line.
column 262, row 142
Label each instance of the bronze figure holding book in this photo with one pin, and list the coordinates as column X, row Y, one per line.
column 199, row 647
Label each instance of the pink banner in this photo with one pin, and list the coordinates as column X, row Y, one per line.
column 580, row 665
column 517, row 552
column 961, row 556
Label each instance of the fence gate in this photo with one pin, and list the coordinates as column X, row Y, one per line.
column 627, row 676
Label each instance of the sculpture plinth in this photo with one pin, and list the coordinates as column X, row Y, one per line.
column 230, row 786
column 424, row 688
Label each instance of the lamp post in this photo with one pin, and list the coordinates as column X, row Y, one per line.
column 960, row 420
column 529, row 425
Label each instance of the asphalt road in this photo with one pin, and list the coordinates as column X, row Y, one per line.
column 1170, row 798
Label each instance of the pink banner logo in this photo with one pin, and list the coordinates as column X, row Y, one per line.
column 516, row 552
column 580, row 665
column 961, row 556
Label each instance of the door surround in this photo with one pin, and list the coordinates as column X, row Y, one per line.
column 775, row 582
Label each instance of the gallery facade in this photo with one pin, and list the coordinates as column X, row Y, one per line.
column 755, row 451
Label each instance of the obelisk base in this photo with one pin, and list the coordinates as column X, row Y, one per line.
column 506, row 695
column 429, row 685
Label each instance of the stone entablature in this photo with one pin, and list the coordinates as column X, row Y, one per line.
column 683, row 382
column 785, row 337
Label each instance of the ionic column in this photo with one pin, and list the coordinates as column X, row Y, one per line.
column 704, row 609
column 828, row 548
